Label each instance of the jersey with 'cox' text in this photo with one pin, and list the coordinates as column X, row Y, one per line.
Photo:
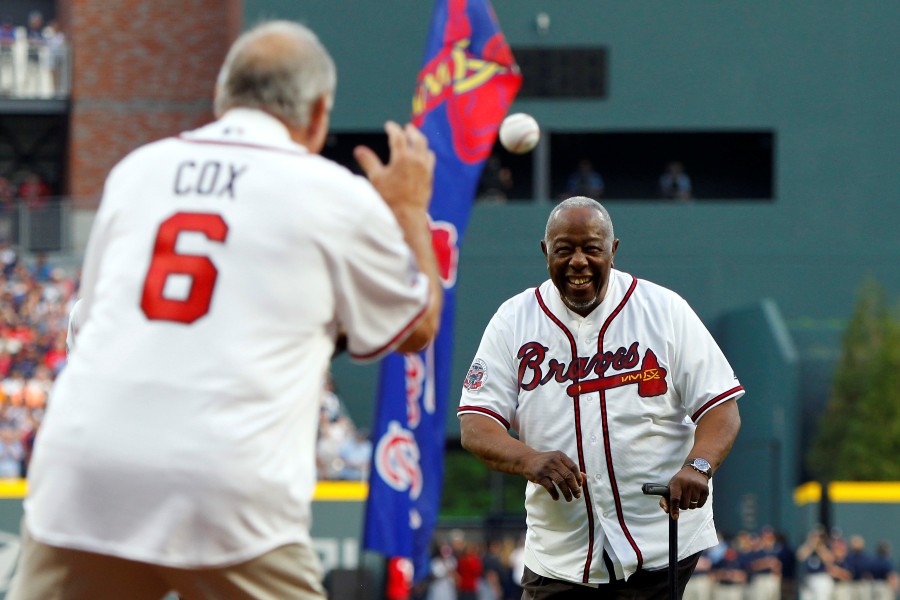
column 221, row 267
column 618, row 391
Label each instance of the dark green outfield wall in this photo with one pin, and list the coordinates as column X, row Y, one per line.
column 821, row 75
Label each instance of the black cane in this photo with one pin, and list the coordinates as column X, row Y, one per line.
column 661, row 489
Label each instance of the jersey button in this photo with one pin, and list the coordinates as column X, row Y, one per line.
column 593, row 439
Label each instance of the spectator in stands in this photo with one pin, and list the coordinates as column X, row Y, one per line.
column 33, row 190
column 585, row 181
column 816, row 557
column 495, row 572
column 34, row 34
column 7, row 58
column 764, row 566
column 332, row 437
column 355, row 455
column 57, row 57
column 730, row 574
column 7, row 195
column 12, row 453
column 55, row 357
column 6, row 361
column 398, row 578
column 9, row 257
column 443, row 574
column 885, row 580
column 469, row 570
column 840, row 570
column 674, row 183
column 41, row 270
column 859, row 563
column 496, row 181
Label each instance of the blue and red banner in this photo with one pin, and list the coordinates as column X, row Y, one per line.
column 464, row 90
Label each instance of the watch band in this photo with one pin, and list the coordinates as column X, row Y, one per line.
column 707, row 472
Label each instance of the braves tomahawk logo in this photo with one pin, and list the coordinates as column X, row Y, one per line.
column 456, row 77
column 650, row 378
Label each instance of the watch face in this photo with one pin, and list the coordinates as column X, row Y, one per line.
column 702, row 464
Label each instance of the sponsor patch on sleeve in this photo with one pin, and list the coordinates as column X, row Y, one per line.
column 476, row 377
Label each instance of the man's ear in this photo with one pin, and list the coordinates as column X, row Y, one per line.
column 544, row 248
column 319, row 120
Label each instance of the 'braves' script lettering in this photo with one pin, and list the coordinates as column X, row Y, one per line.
column 533, row 372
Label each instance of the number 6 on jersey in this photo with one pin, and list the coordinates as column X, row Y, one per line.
column 166, row 261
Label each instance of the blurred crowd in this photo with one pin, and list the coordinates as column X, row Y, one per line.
column 343, row 451
column 763, row 566
column 462, row 569
column 748, row 566
column 35, row 299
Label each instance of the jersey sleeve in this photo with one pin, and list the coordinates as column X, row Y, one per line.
column 491, row 384
column 101, row 231
column 381, row 294
column 703, row 377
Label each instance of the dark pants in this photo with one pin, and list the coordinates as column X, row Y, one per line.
column 643, row 585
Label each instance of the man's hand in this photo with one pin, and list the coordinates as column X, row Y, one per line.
column 688, row 489
column 556, row 472
column 489, row 441
column 405, row 182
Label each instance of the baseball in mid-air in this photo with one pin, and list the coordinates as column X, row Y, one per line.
column 519, row 133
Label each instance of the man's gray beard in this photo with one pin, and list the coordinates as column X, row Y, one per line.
column 578, row 305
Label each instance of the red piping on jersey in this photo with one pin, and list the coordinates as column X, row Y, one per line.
column 401, row 335
column 605, row 421
column 576, row 401
column 484, row 411
column 696, row 416
column 303, row 152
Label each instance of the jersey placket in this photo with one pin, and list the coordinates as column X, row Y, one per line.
column 586, row 333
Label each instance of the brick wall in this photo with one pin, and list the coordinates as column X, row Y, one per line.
column 141, row 71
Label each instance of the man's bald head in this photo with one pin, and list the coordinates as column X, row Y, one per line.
column 279, row 67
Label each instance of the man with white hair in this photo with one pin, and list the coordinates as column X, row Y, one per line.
column 223, row 266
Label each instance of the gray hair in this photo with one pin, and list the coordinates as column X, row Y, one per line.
column 279, row 67
column 581, row 202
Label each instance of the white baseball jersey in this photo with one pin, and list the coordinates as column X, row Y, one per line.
column 619, row 392
column 220, row 268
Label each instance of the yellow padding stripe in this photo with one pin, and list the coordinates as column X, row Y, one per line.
column 326, row 491
column 341, row 491
column 849, row 491
column 13, row 488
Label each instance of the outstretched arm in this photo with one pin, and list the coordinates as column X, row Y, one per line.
column 405, row 184
column 489, row 441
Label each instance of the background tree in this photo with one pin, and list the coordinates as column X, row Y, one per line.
column 859, row 433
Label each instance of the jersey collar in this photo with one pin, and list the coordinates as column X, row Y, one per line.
column 618, row 284
column 247, row 126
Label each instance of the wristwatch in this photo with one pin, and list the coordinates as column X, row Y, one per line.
column 700, row 464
